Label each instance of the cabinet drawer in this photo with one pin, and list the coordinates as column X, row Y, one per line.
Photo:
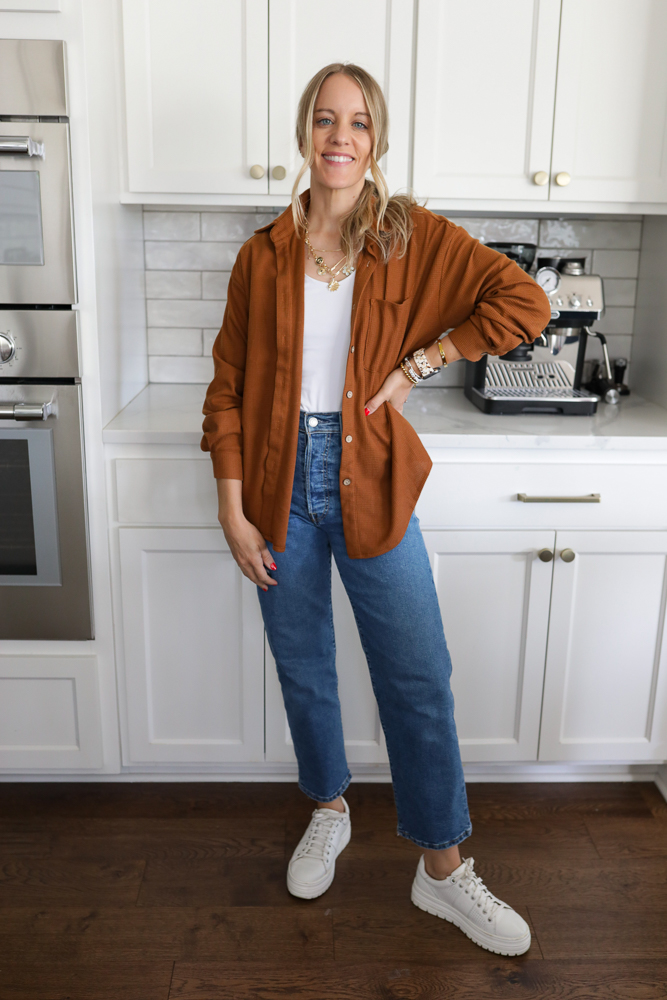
column 165, row 491
column 485, row 494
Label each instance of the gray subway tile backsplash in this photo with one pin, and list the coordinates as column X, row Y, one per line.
column 189, row 255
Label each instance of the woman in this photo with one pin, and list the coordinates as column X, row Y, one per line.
column 334, row 312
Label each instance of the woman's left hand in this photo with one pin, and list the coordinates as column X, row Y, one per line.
column 395, row 390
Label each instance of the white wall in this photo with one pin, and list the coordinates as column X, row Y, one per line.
column 649, row 358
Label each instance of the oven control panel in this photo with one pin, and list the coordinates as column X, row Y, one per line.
column 38, row 343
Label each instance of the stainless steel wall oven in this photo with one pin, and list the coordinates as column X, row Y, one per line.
column 44, row 555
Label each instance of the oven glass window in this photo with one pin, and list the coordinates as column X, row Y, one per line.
column 21, row 239
column 18, row 556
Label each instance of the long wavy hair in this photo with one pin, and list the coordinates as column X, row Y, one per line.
column 384, row 220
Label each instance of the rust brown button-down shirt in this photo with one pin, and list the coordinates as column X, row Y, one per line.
column 446, row 281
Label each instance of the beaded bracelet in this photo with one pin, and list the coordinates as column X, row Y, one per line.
column 407, row 370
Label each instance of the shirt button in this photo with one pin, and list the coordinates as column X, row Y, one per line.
column 346, row 482
column 352, row 348
column 313, row 421
column 348, row 393
column 348, row 438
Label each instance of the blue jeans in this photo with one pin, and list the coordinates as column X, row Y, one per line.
column 396, row 609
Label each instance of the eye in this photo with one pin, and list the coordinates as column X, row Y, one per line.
column 323, row 121
column 363, row 125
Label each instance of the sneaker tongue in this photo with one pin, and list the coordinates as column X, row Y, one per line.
column 458, row 871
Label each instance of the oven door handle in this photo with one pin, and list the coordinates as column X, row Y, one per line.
column 20, row 145
column 25, row 411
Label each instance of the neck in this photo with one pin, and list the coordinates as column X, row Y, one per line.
column 328, row 206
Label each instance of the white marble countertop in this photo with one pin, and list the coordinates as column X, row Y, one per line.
column 444, row 418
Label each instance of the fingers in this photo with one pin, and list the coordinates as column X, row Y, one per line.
column 373, row 403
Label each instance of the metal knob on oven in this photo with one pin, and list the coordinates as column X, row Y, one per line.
column 7, row 348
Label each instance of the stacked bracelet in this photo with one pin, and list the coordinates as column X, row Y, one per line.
column 422, row 362
column 409, row 371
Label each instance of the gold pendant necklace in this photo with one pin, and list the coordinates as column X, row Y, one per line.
column 334, row 270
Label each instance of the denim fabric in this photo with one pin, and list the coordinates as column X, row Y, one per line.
column 396, row 609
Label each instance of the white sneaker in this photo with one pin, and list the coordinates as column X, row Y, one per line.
column 313, row 865
column 463, row 899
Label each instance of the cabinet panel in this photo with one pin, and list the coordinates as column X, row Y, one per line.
column 610, row 125
column 305, row 37
column 196, row 83
column 49, row 712
column 605, row 686
column 494, row 597
column 166, row 491
column 364, row 738
column 193, row 649
column 485, row 79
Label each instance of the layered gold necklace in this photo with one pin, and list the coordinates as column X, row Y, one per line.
column 335, row 270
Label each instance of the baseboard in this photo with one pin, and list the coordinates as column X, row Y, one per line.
column 514, row 772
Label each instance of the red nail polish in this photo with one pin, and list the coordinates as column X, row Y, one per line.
column 273, row 566
column 366, row 411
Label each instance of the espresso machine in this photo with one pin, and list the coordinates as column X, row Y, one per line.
column 516, row 383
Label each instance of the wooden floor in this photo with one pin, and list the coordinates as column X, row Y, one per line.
column 157, row 891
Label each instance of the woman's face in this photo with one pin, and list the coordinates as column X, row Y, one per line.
column 342, row 136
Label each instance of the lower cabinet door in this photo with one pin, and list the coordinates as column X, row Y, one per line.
column 49, row 713
column 605, row 696
column 364, row 738
column 494, row 595
column 194, row 662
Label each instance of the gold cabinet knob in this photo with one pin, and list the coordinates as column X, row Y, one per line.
column 279, row 173
column 541, row 178
column 567, row 555
column 545, row 555
column 257, row 171
column 563, row 179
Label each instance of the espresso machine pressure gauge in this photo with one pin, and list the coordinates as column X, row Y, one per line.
column 548, row 279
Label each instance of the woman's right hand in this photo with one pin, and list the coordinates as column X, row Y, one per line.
column 246, row 543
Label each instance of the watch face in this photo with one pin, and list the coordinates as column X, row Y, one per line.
column 548, row 278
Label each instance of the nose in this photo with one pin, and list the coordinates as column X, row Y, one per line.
column 339, row 136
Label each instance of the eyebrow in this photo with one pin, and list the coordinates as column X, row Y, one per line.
column 332, row 112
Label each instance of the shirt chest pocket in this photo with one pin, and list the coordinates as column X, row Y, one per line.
column 387, row 324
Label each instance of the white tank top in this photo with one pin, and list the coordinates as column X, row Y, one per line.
column 326, row 342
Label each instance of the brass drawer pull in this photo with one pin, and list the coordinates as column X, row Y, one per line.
column 588, row 498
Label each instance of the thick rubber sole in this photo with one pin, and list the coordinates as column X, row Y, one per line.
column 439, row 909
column 315, row 889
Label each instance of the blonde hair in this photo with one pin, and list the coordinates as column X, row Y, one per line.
column 384, row 220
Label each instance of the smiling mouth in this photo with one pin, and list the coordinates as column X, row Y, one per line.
column 333, row 158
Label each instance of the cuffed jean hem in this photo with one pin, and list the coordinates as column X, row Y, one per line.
column 435, row 847
column 327, row 798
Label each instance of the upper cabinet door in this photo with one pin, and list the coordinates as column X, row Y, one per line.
column 376, row 34
column 196, row 82
column 611, row 103
column 486, row 77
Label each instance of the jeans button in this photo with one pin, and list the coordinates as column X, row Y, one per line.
column 346, row 482
column 313, row 421
column 348, row 438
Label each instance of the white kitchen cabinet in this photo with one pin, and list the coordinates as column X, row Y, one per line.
column 50, row 713
column 364, row 737
column 193, row 656
column 494, row 594
column 485, row 86
column 303, row 37
column 196, row 95
column 605, row 695
column 610, row 124
column 212, row 88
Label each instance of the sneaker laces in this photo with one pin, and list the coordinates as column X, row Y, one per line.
column 319, row 833
column 473, row 884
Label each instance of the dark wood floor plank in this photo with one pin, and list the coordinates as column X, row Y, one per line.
column 167, row 838
column 80, row 934
column 24, row 882
column 629, row 838
column 599, row 883
column 528, row 801
column 624, row 932
column 654, row 800
column 222, row 882
column 20, row 837
column 404, row 933
column 504, row 979
column 107, row 980
column 550, row 841
column 157, row 799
